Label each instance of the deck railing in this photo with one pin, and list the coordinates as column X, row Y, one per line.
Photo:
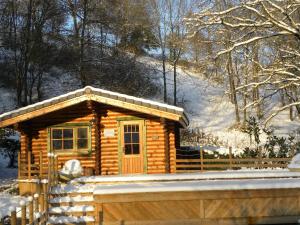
column 199, row 163
column 29, row 168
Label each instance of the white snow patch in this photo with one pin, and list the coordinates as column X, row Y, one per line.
column 295, row 163
column 70, row 219
column 69, row 188
column 203, row 185
column 8, row 202
column 77, row 208
column 72, row 167
column 212, row 175
column 77, row 198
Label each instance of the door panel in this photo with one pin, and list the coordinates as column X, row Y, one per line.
column 132, row 147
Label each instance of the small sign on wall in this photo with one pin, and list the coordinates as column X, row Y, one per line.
column 109, row 132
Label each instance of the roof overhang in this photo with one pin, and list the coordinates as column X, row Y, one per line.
column 98, row 95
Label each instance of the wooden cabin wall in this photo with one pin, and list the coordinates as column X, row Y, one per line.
column 155, row 140
column 160, row 138
column 74, row 114
column 172, row 147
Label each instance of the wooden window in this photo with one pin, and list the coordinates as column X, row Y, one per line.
column 70, row 138
column 131, row 139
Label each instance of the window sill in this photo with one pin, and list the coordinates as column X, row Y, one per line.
column 75, row 153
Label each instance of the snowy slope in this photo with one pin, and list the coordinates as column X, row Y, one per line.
column 209, row 108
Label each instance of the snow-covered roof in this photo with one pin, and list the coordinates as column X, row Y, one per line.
column 99, row 95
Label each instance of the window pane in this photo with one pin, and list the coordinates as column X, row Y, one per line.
column 57, row 144
column 128, row 149
column 136, row 128
column 82, row 143
column 68, row 133
column 68, row 144
column 127, row 138
column 125, row 128
column 56, row 133
column 82, row 133
column 135, row 138
column 128, row 128
column 136, row 149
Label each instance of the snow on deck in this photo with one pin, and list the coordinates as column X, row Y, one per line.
column 229, row 174
column 68, row 209
column 202, row 185
column 70, row 219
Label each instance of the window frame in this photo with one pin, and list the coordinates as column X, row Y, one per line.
column 74, row 127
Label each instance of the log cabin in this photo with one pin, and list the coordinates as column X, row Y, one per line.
column 108, row 132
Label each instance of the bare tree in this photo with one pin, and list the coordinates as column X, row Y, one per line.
column 259, row 23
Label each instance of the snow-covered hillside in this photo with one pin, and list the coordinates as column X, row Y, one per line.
column 209, row 108
column 206, row 103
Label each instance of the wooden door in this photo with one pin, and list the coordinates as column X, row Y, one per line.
column 132, row 147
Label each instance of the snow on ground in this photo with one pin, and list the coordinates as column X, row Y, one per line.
column 208, row 107
column 7, row 175
column 7, row 202
column 295, row 163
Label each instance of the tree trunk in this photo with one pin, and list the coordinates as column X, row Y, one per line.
column 175, row 82
column 164, row 75
column 255, row 89
column 233, row 96
column 82, row 73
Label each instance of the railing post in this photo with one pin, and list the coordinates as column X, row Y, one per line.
column 45, row 190
column 30, row 206
column 201, row 158
column 13, row 216
column 41, row 164
column 56, row 168
column 19, row 165
column 29, row 164
column 175, row 160
column 260, row 157
column 36, row 202
column 230, row 157
column 23, row 212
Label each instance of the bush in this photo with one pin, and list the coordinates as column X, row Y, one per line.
column 9, row 146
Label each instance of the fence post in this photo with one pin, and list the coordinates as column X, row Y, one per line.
column 13, row 216
column 23, row 212
column 230, row 157
column 30, row 206
column 201, row 158
column 260, row 166
column 292, row 151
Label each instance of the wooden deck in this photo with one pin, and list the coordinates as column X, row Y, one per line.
column 200, row 207
column 207, row 202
